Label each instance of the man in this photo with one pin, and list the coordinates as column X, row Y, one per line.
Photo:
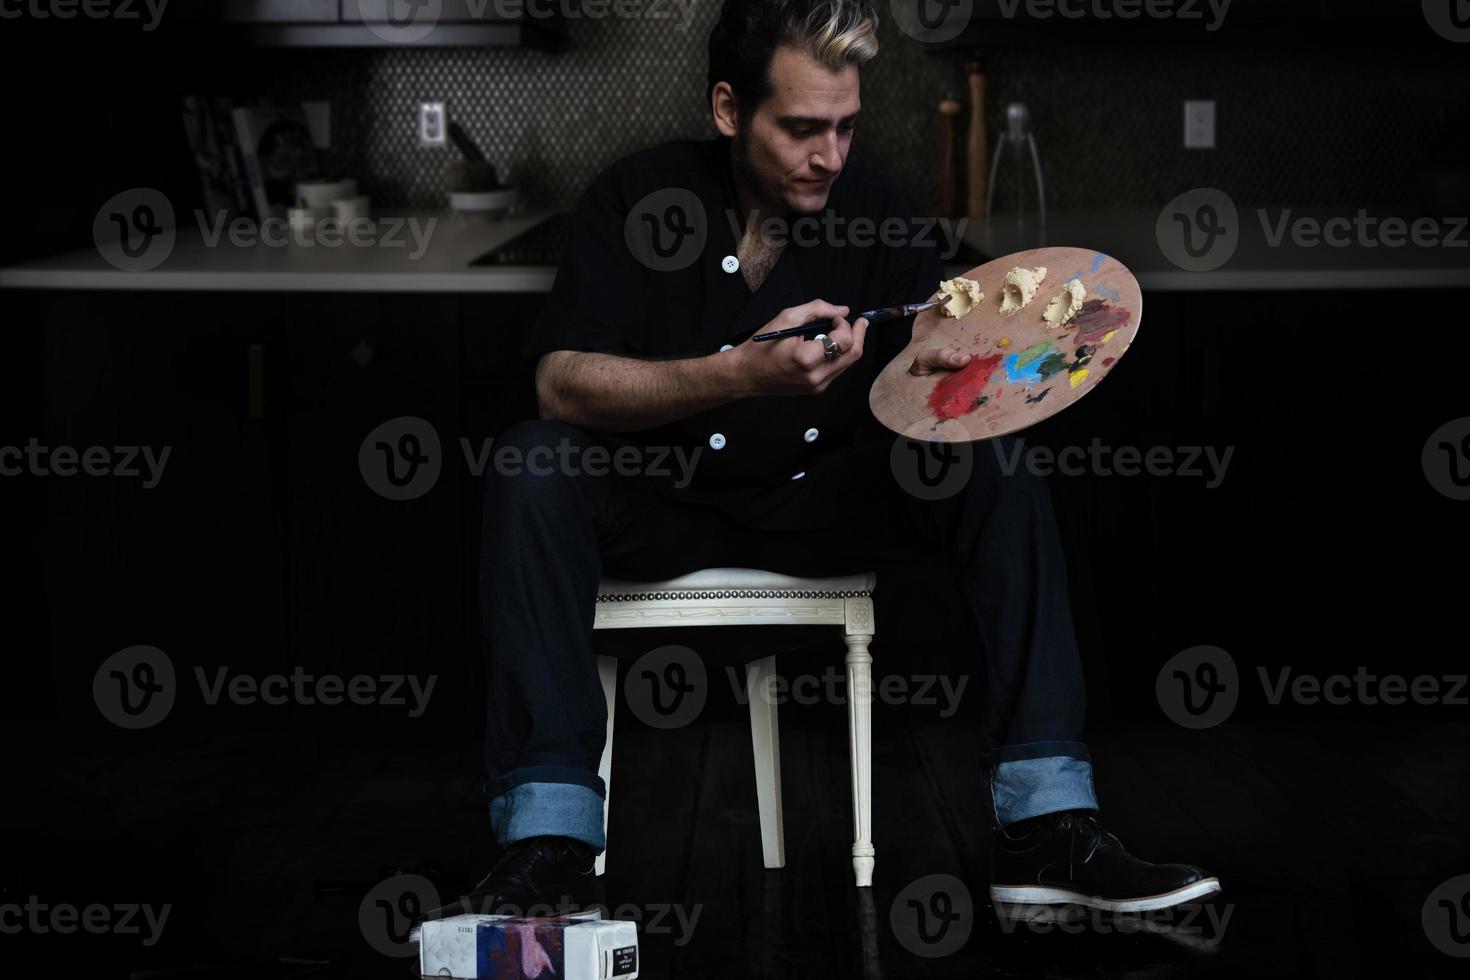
column 646, row 342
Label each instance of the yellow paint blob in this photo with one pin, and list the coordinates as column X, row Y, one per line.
column 1078, row 377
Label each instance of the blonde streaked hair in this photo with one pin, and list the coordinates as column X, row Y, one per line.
column 834, row 33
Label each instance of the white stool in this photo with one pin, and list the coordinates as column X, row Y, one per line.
column 747, row 597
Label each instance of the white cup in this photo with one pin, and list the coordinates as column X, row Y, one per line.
column 345, row 209
column 321, row 193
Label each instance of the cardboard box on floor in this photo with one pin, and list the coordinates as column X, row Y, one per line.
column 502, row 947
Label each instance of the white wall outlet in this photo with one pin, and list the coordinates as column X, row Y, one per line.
column 1199, row 125
column 433, row 130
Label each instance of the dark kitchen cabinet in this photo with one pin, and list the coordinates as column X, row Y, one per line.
column 379, row 23
column 1006, row 22
column 265, row 545
column 275, row 11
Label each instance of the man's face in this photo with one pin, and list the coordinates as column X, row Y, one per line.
column 796, row 143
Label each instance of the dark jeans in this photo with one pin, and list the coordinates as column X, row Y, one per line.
column 548, row 536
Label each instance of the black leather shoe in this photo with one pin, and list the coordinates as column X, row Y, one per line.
column 535, row 876
column 1068, row 858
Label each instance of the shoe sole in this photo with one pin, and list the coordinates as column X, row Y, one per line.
column 1045, row 895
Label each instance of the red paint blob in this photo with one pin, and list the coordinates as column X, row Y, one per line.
column 956, row 393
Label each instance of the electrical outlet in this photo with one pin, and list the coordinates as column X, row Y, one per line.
column 432, row 127
column 1199, row 125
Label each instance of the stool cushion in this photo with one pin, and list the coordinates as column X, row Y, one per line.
column 738, row 580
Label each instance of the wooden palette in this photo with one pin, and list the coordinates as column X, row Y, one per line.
column 1024, row 369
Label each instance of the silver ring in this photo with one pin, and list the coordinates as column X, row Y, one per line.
column 832, row 347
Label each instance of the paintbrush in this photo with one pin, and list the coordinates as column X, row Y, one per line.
column 872, row 316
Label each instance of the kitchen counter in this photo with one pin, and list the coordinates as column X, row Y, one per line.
column 1257, row 265
column 414, row 256
column 409, row 251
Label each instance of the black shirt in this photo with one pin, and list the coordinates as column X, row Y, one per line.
column 651, row 273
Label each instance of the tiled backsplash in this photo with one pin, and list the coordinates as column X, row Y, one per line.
column 1295, row 127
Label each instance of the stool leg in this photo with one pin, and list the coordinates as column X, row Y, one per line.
column 860, row 749
column 765, row 740
column 607, row 669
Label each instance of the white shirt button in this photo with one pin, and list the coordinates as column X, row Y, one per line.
column 798, row 476
column 810, row 435
column 717, row 441
column 730, row 264
column 725, row 347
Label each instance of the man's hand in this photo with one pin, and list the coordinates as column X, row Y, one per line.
column 939, row 359
column 794, row 366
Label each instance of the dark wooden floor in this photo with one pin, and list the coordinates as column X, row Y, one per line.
column 1328, row 839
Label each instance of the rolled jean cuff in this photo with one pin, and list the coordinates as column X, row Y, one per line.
column 1039, row 777
column 557, row 809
